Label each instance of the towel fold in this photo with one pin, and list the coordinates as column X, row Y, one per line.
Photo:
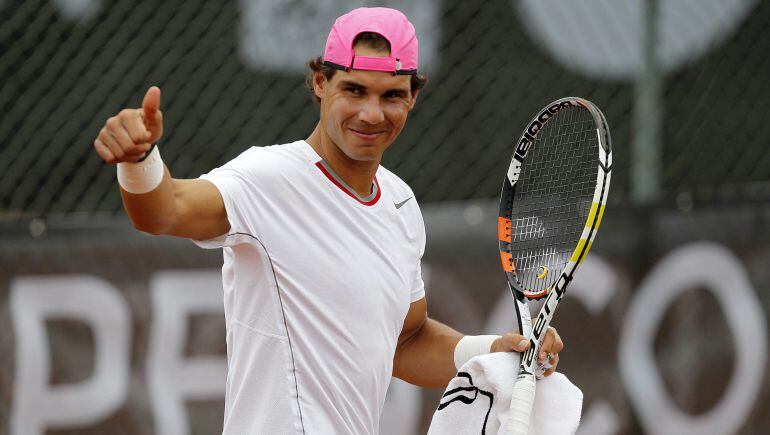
column 476, row 401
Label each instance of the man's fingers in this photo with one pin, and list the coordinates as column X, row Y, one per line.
column 554, row 362
column 512, row 342
column 108, row 139
column 104, row 151
column 151, row 105
column 151, row 101
column 558, row 345
column 127, row 136
column 551, row 344
column 545, row 348
column 134, row 125
column 116, row 133
column 129, row 146
column 152, row 117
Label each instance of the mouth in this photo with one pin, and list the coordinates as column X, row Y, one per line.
column 368, row 135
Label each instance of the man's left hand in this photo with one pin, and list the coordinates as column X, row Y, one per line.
column 549, row 350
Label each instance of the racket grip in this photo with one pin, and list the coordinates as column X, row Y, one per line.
column 522, row 399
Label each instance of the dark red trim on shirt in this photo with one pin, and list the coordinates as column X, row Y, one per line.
column 345, row 189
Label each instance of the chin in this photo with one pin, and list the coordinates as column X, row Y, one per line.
column 363, row 151
column 362, row 156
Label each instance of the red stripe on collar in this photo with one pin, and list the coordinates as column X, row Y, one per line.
column 345, row 189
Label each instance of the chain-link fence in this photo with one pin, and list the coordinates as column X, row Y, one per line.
column 684, row 86
column 65, row 67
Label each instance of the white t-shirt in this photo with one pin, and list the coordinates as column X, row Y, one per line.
column 317, row 284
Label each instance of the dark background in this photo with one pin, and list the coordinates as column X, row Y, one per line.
column 63, row 73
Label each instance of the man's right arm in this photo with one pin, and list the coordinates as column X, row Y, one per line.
column 193, row 209
column 185, row 208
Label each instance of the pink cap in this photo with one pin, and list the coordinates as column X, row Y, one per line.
column 390, row 23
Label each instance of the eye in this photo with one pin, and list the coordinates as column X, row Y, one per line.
column 393, row 95
column 353, row 90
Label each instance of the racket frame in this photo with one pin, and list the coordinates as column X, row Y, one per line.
column 524, row 388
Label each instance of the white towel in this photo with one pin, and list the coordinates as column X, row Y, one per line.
column 477, row 400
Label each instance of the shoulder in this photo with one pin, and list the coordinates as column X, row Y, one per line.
column 401, row 193
column 398, row 188
column 406, row 207
column 260, row 162
column 260, row 170
column 268, row 156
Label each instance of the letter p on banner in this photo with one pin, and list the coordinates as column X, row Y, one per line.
column 93, row 301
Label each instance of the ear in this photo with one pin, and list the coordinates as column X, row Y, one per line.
column 319, row 84
column 414, row 99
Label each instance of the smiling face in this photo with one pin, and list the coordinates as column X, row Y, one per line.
column 362, row 112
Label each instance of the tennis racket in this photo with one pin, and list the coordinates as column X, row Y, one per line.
column 551, row 205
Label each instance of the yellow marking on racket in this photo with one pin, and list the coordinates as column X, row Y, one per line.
column 595, row 207
column 579, row 249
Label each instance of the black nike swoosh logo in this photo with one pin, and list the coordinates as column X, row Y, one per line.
column 400, row 204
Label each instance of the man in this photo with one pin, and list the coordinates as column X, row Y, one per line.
column 324, row 299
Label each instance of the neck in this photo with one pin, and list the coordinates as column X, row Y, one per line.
column 357, row 174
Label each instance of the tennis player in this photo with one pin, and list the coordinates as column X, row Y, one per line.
column 323, row 295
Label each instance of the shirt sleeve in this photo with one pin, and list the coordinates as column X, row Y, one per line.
column 235, row 181
column 418, row 285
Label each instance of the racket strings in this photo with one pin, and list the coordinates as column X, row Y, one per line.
column 553, row 197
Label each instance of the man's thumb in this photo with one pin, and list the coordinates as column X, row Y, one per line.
column 151, row 104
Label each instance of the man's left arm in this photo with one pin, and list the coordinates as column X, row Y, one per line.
column 425, row 352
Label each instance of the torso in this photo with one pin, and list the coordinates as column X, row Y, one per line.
column 317, row 286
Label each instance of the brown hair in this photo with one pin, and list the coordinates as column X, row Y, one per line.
column 371, row 39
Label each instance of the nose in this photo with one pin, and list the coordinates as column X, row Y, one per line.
column 371, row 111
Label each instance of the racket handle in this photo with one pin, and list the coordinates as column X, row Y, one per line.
column 521, row 405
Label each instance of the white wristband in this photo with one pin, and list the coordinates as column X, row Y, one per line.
column 471, row 346
column 141, row 177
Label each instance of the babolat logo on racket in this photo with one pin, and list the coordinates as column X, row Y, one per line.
column 534, row 128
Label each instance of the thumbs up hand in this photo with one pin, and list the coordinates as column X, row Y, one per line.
column 151, row 114
column 127, row 136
